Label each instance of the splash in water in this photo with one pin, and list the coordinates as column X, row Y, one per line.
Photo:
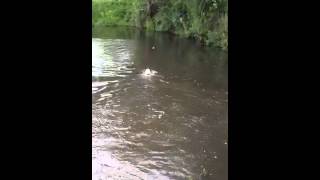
column 148, row 72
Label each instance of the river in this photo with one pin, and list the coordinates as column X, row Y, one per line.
column 169, row 124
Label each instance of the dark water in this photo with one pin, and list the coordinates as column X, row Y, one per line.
column 171, row 125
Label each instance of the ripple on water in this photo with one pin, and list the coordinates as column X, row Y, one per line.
column 149, row 125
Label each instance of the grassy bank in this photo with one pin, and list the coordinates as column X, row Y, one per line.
column 204, row 20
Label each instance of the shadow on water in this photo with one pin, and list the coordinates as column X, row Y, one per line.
column 177, row 57
column 114, row 33
column 172, row 125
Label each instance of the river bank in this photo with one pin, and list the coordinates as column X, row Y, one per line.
column 206, row 21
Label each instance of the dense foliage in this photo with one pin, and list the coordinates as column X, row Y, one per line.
column 203, row 20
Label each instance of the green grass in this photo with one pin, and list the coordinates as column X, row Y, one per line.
column 203, row 20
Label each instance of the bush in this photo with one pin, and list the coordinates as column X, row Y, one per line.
column 203, row 20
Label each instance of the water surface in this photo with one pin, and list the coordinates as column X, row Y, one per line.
column 172, row 125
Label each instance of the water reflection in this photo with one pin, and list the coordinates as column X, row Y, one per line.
column 170, row 125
